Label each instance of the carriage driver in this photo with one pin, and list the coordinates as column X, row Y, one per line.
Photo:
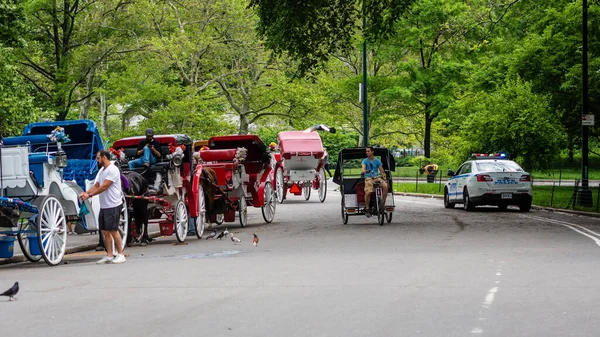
column 372, row 168
column 147, row 151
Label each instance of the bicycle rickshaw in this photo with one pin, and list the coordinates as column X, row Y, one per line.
column 299, row 166
column 352, row 185
column 242, row 165
column 41, row 181
column 175, row 181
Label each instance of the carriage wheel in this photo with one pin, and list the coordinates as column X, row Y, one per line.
column 52, row 230
column 322, row 185
column 280, row 184
column 181, row 220
column 29, row 228
column 380, row 212
column 201, row 218
column 243, row 210
column 220, row 218
column 123, row 225
column 306, row 191
column 344, row 213
column 268, row 210
column 388, row 217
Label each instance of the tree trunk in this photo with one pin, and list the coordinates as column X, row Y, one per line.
column 244, row 123
column 571, row 150
column 427, row 138
column 86, row 103
column 104, row 115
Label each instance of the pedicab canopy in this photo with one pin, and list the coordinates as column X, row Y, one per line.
column 300, row 143
column 358, row 154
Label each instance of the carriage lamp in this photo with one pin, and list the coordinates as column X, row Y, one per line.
column 60, row 158
column 177, row 159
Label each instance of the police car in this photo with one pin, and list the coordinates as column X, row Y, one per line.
column 488, row 179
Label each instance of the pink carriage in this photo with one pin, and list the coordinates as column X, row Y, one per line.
column 242, row 165
column 300, row 166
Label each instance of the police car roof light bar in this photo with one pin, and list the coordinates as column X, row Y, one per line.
column 499, row 155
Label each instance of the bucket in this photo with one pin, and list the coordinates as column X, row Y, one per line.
column 166, row 228
column 7, row 246
column 34, row 245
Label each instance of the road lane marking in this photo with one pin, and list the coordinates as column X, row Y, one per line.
column 487, row 302
column 575, row 227
column 417, row 202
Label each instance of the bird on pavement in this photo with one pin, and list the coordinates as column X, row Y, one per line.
column 255, row 240
column 234, row 239
column 223, row 233
column 11, row 292
column 212, row 234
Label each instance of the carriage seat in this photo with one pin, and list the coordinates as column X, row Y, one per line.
column 36, row 165
column 79, row 170
column 218, row 155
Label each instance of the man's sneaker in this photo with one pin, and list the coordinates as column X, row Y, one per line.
column 367, row 214
column 120, row 258
column 105, row 259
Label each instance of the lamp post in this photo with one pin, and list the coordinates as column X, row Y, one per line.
column 585, row 194
column 365, row 101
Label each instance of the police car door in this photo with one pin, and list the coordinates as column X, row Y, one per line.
column 461, row 177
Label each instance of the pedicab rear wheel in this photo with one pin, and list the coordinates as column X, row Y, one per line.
column 306, row 191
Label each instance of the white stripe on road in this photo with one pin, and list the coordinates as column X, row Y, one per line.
column 416, row 202
column 575, row 227
column 487, row 302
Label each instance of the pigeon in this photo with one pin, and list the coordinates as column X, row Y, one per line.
column 212, row 234
column 11, row 292
column 223, row 233
column 255, row 240
column 234, row 239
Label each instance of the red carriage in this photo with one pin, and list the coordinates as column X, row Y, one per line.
column 175, row 181
column 300, row 165
column 242, row 167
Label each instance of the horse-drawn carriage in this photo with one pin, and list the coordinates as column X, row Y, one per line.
column 242, row 166
column 175, row 182
column 352, row 184
column 40, row 185
column 300, row 165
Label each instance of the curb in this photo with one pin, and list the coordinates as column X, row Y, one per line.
column 69, row 250
column 549, row 209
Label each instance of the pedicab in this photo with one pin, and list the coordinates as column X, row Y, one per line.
column 300, row 165
column 352, row 184
column 173, row 179
column 242, row 165
column 41, row 178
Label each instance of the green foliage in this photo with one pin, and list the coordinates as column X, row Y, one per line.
column 512, row 119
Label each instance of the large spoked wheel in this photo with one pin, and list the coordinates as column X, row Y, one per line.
column 306, row 191
column 268, row 210
column 243, row 211
column 344, row 213
column 322, row 185
column 181, row 220
column 280, row 184
column 220, row 218
column 467, row 204
column 26, row 229
column 123, row 224
column 201, row 218
column 447, row 203
column 52, row 230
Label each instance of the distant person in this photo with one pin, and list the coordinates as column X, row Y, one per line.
column 108, row 188
column 326, row 161
column 148, row 151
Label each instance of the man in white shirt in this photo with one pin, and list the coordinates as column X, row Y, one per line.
column 108, row 188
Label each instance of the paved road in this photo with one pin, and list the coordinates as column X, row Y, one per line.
column 431, row 272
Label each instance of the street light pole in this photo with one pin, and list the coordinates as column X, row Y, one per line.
column 364, row 81
column 585, row 194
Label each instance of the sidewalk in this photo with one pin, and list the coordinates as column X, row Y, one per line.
column 75, row 244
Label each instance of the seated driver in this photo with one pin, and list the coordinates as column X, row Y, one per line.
column 147, row 151
column 372, row 168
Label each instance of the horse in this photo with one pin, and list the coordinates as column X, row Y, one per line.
column 208, row 181
column 135, row 184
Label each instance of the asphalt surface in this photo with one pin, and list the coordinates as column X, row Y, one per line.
column 431, row 272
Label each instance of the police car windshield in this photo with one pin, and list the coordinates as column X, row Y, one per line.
column 498, row 166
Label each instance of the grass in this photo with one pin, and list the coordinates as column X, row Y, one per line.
column 545, row 196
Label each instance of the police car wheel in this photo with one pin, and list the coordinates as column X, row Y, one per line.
column 447, row 203
column 468, row 205
column 503, row 207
